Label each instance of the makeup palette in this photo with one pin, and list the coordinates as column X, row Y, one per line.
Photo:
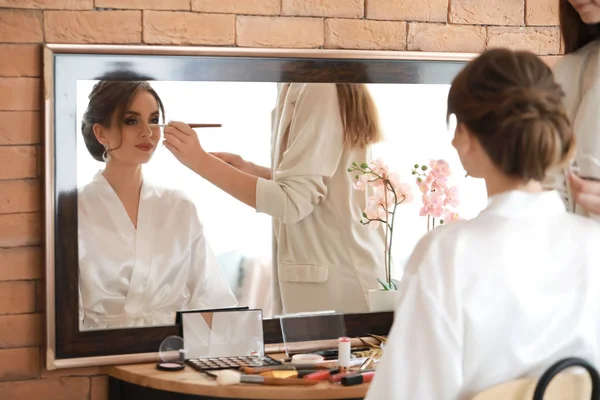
column 211, row 364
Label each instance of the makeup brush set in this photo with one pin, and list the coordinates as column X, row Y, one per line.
column 287, row 375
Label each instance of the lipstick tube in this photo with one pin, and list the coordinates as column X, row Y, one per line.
column 321, row 375
column 357, row 379
column 337, row 378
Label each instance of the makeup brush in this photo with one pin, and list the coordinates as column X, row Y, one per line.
column 231, row 377
column 284, row 367
column 190, row 125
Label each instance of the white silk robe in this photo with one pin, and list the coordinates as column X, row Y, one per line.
column 495, row 298
column 142, row 277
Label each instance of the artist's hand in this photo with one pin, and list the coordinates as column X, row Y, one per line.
column 586, row 193
column 183, row 142
column 236, row 161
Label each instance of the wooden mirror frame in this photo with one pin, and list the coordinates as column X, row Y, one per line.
column 64, row 65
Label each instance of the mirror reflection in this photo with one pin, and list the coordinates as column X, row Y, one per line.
column 223, row 333
column 156, row 237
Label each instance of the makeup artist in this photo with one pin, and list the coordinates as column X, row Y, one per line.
column 324, row 258
column 579, row 74
column 508, row 293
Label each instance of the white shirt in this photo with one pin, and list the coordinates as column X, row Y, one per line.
column 492, row 299
column 143, row 276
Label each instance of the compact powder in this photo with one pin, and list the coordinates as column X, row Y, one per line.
column 170, row 366
column 307, row 359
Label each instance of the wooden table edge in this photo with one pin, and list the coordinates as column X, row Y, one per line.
column 147, row 375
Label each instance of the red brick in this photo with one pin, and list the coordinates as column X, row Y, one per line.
column 443, row 37
column 279, row 32
column 365, row 34
column 145, row 4
column 18, row 230
column 20, row 94
column 324, row 8
column 99, row 388
column 105, row 27
column 541, row 12
column 254, row 7
column 164, row 27
column 19, row 364
column 19, row 196
column 20, row 60
column 47, row 389
column 20, row 127
column 49, row 4
column 21, row 26
column 408, row 10
column 21, row 263
column 24, row 330
column 17, row 297
column 62, row 373
column 487, row 12
column 17, row 162
column 541, row 41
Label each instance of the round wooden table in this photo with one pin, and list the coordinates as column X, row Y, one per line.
column 144, row 381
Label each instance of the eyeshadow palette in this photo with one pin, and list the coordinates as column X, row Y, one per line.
column 211, row 364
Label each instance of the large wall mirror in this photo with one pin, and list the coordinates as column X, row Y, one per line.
column 95, row 269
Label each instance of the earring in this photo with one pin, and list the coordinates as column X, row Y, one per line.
column 105, row 154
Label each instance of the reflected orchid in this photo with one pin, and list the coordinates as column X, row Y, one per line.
column 388, row 192
column 437, row 196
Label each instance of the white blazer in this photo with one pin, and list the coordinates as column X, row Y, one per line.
column 324, row 258
column 495, row 298
column 579, row 75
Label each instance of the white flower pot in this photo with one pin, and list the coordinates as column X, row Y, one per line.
column 383, row 300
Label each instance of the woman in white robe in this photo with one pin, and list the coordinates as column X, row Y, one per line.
column 142, row 251
column 510, row 292
column 579, row 74
column 324, row 258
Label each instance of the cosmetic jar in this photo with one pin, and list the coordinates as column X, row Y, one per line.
column 307, row 359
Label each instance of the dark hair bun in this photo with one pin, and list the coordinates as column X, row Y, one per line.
column 107, row 101
column 510, row 101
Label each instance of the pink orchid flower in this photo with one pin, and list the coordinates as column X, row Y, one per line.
column 451, row 197
column 376, row 208
column 439, row 184
column 451, row 216
column 440, row 167
column 380, row 168
column 361, row 183
column 432, row 205
column 403, row 190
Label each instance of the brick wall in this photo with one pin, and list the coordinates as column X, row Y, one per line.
column 423, row 25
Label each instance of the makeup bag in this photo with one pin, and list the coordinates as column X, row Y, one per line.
column 561, row 365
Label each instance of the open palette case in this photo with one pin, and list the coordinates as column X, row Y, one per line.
column 232, row 338
column 229, row 338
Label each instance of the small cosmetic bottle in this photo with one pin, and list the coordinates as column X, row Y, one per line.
column 344, row 353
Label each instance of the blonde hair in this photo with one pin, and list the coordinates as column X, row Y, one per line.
column 359, row 115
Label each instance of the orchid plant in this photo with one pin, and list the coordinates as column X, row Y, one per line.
column 439, row 200
column 389, row 192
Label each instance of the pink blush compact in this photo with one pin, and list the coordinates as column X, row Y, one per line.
column 170, row 366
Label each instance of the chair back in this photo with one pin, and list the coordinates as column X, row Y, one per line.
column 552, row 385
